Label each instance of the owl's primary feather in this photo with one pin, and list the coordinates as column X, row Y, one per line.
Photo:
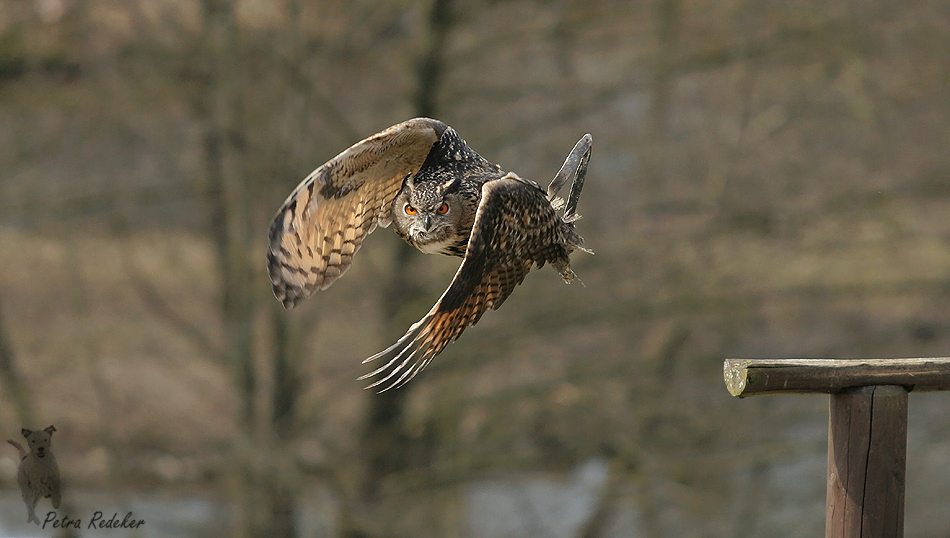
column 442, row 197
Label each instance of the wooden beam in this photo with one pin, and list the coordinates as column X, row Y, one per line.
column 748, row 377
column 867, row 459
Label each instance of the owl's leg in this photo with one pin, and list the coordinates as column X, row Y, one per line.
column 575, row 169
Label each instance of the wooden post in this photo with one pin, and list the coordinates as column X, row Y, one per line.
column 867, row 429
column 867, row 449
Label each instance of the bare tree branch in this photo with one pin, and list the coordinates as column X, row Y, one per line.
column 156, row 303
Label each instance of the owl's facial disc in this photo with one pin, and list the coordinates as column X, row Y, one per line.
column 430, row 224
column 427, row 224
column 432, row 241
column 426, row 217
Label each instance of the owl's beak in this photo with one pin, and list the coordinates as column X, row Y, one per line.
column 427, row 222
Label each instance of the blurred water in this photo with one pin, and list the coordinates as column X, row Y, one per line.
column 543, row 507
column 539, row 506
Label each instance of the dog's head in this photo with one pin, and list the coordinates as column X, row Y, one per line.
column 39, row 440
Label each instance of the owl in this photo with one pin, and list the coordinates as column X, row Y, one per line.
column 442, row 198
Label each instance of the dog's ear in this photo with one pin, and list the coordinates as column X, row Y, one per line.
column 26, row 433
column 50, row 429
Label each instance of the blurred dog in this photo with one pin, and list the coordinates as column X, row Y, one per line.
column 38, row 475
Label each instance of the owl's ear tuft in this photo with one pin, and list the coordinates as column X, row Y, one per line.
column 451, row 186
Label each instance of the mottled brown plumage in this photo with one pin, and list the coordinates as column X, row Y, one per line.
column 442, row 198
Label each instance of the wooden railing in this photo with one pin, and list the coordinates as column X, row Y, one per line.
column 867, row 429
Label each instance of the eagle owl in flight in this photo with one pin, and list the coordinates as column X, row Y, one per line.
column 441, row 197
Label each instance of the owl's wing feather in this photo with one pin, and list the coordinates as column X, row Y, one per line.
column 323, row 222
column 574, row 167
column 515, row 227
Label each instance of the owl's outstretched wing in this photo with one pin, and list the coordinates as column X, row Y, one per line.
column 316, row 232
column 515, row 227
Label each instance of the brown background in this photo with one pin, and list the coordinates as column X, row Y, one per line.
column 769, row 179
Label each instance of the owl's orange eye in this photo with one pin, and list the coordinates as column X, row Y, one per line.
column 410, row 210
column 443, row 209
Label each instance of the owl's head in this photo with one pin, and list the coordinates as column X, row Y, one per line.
column 426, row 212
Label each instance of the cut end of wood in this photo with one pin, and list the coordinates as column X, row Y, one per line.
column 735, row 373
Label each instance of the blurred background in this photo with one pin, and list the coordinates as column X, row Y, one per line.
column 769, row 179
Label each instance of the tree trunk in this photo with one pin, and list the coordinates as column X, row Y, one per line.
column 266, row 503
column 385, row 444
column 12, row 380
